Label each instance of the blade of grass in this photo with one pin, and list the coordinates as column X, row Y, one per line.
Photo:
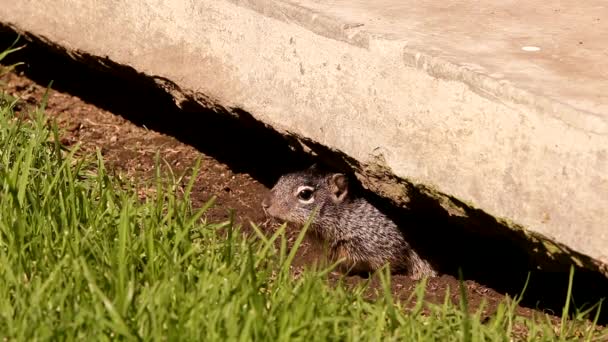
column 116, row 323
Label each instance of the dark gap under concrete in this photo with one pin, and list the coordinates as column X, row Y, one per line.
column 486, row 250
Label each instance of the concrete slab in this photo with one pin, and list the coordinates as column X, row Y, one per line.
column 551, row 48
column 503, row 106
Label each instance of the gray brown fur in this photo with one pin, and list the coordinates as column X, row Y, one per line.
column 353, row 229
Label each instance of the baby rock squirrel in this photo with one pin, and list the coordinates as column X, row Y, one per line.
column 353, row 229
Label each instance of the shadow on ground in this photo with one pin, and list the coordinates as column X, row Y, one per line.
column 483, row 248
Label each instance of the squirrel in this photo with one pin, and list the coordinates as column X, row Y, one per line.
column 355, row 231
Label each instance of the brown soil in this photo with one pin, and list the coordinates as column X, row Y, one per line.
column 93, row 111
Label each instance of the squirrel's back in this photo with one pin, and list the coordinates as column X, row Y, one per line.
column 354, row 230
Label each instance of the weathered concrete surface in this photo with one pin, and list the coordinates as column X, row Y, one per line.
column 441, row 92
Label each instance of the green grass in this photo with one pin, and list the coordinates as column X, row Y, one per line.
column 82, row 256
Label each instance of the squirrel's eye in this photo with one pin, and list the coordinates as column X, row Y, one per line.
column 305, row 194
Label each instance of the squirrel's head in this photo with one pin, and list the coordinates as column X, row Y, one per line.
column 297, row 195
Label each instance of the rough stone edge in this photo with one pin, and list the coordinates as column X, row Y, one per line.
column 496, row 90
column 321, row 24
column 354, row 33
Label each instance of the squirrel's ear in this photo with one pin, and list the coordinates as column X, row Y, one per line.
column 338, row 185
